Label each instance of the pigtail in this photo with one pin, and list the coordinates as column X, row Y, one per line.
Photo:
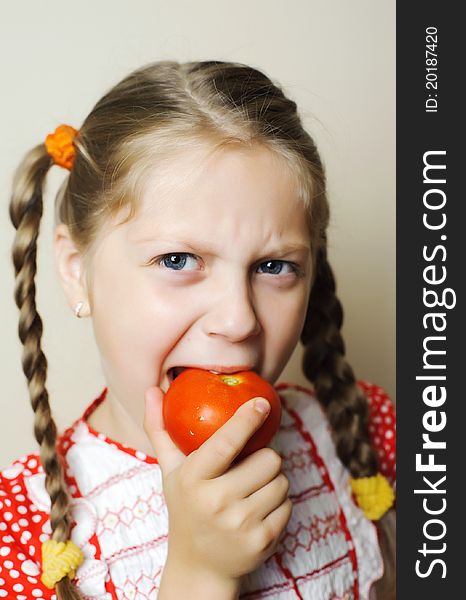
column 325, row 365
column 347, row 407
column 26, row 209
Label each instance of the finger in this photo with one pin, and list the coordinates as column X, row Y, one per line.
column 275, row 543
column 268, row 498
column 276, row 522
column 216, row 454
column 252, row 473
column 168, row 455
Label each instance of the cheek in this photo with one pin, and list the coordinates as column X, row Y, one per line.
column 135, row 322
column 283, row 316
column 282, row 319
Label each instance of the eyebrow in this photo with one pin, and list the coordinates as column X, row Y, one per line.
column 205, row 247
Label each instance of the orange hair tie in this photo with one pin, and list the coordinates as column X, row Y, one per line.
column 60, row 145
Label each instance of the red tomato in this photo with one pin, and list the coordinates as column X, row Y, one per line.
column 199, row 402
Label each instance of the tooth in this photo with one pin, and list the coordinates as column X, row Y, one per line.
column 215, row 372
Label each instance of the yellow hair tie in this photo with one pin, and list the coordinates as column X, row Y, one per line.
column 59, row 559
column 374, row 495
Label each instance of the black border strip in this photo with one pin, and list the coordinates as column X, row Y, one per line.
column 430, row 301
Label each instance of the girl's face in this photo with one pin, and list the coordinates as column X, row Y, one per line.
column 214, row 271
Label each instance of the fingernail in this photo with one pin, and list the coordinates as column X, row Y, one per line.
column 261, row 405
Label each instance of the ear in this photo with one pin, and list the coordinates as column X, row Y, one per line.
column 71, row 270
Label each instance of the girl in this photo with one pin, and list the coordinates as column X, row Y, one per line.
column 192, row 229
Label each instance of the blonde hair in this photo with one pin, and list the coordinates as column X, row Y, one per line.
column 147, row 118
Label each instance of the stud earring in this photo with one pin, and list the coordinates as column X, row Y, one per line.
column 77, row 310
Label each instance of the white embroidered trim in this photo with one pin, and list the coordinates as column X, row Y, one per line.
column 363, row 531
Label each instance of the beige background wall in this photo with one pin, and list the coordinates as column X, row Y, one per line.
column 335, row 58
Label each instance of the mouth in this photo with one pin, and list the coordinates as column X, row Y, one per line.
column 173, row 372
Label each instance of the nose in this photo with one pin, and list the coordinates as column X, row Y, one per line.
column 232, row 313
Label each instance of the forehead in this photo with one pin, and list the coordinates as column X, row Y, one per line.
column 239, row 192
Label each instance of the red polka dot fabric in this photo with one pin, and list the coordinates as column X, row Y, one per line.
column 23, row 528
column 382, row 429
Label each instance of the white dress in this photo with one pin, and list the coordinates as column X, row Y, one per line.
column 330, row 550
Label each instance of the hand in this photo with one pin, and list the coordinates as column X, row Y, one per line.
column 224, row 520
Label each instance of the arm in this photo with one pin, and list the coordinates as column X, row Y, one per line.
column 180, row 581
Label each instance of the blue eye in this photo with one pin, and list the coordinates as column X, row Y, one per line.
column 279, row 263
column 176, row 262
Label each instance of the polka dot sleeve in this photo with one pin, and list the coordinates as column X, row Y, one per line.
column 23, row 527
column 382, row 429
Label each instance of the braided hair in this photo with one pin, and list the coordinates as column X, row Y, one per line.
column 346, row 405
column 26, row 210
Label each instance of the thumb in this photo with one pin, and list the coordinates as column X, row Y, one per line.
column 168, row 455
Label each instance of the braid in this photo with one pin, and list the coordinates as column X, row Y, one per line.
column 324, row 364
column 346, row 405
column 26, row 208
